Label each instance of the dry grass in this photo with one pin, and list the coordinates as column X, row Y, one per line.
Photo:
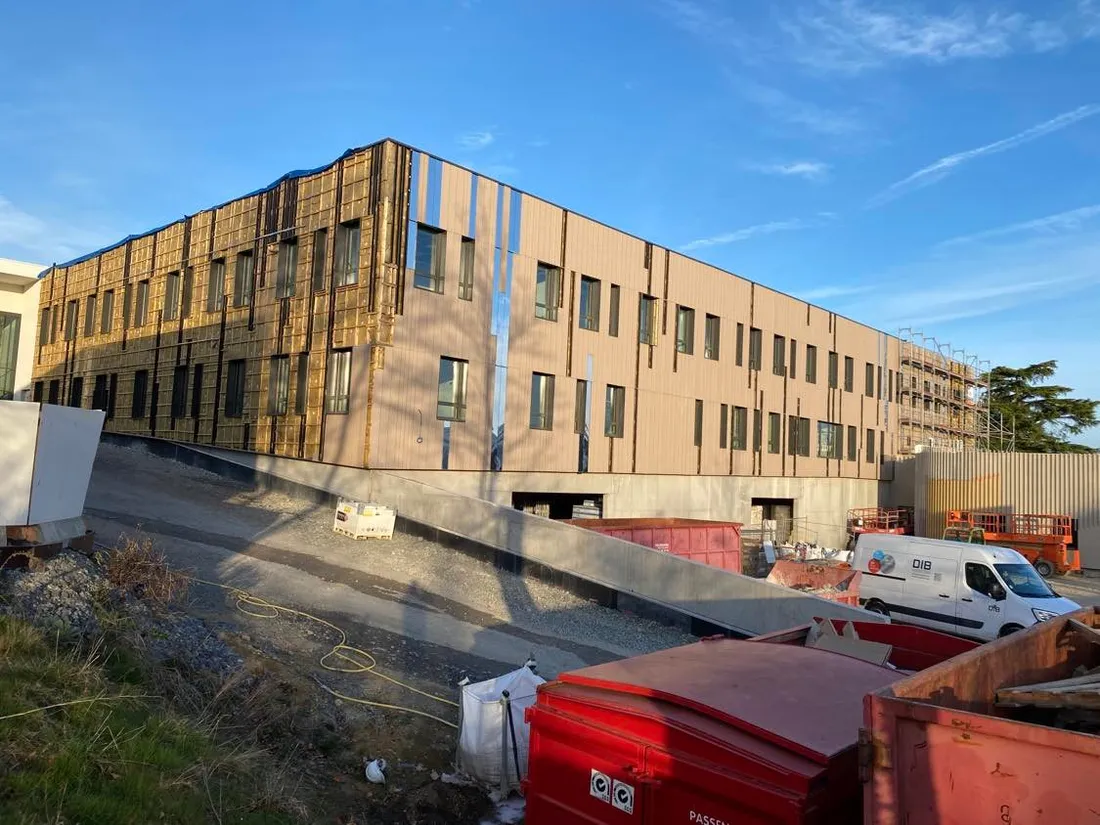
column 136, row 566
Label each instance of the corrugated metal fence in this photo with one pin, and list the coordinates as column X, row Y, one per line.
column 1010, row 483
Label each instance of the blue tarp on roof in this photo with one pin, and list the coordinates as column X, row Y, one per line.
column 297, row 173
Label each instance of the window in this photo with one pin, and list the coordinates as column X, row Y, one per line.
column 234, row 389
column 286, row 270
column 278, row 385
column 141, row 387
column 739, row 428
column 172, row 296
column 794, row 359
column 685, row 330
column 773, row 433
column 740, row 345
column 811, row 364
column 196, row 391
column 698, row 422
column 832, row 370
column 36, row 392
column 466, row 270
column 849, row 369
column 580, row 408
column 590, row 304
column 757, row 430
column 10, row 323
column 882, row 447
column 869, row 447
column 869, row 388
column 127, row 304
column 712, row 337
column 76, row 391
column 853, row 444
column 89, row 316
column 798, row 435
column 451, row 404
column 756, row 345
column 723, row 426
column 99, row 392
column 215, row 288
column 980, row 579
column 542, row 401
column 141, row 304
column 179, row 391
column 320, row 247
column 878, row 384
column 613, row 313
column 242, row 280
column 614, row 411
column 54, row 395
column 829, row 437
column 112, row 392
column 890, row 387
column 431, row 249
column 71, row 312
column 547, row 291
column 338, row 385
column 188, row 289
column 347, row 254
column 647, row 320
column 301, row 390
column 44, row 328
column 779, row 355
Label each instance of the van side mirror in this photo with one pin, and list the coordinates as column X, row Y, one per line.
column 997, row 593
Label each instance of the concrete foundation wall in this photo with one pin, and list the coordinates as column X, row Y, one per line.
column 820, row 504
column 739, row 603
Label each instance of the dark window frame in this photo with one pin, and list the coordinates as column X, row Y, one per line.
column 685, row 330
column 588, row 303
column 433, row 278
column 550, row 276
column 338, row 382
column 236, row 383
column 712, row 337
column 453, row 409
column 614, row 411
column 542, row 402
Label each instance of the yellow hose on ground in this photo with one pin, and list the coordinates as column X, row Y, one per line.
column 357, row 660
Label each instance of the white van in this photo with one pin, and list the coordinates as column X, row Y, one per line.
column 967, row 589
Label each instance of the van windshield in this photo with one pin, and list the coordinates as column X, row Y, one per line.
column 1024, row 581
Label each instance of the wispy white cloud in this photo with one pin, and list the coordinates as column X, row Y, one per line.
column 708, row 21
column 476, row 140
column 1071, row 220
column 945, row 166
column 25, row 235
column 825, row 293
column 808, row 169
column 796, row 112
column 854, row 35
column 770, row 228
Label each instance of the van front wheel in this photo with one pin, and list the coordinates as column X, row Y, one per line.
column 1009, row 629
column 1044, row 568
column 875, row 606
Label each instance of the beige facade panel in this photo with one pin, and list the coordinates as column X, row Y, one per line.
column 1010, row 483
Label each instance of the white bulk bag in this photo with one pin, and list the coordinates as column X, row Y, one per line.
column 484, row 739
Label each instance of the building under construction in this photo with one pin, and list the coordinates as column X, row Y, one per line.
column 392, row 310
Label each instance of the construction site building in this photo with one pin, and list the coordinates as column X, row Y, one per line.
column 395, row 311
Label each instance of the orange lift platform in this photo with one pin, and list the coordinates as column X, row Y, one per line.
column 1044, row 540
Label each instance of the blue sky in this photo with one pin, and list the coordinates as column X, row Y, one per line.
column 932, row 165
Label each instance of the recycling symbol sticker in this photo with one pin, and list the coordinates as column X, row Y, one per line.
column 600, row 786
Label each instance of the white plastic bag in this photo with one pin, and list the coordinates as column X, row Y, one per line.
column 481, row 737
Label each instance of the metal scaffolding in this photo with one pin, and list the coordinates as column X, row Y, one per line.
column 943, row 399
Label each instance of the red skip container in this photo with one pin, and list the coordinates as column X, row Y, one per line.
column 713, row 733
column 717, row 543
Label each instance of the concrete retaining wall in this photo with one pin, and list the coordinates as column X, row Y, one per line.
column 713, row 597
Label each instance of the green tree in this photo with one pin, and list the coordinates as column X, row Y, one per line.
column 1043, row 415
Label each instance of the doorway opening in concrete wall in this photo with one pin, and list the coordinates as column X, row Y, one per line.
column 765, row 511
column 560, row 505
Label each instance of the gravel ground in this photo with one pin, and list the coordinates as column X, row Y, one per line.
column 414, row 565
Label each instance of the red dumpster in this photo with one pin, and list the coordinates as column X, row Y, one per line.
column 826, row 581
column 912, row 648
column 954, row 745
column 715, row 733
column 717, row 543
